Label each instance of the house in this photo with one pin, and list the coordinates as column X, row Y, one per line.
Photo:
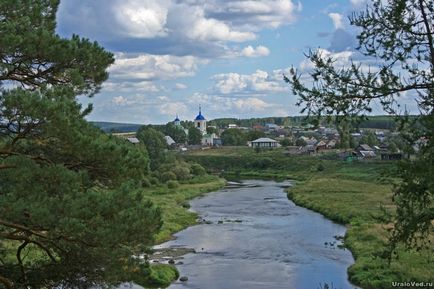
column 321, row 145
column 232, row 125
column 258, row 127
column 331, row 144
column 208, row 139
column 169, row 140
column 133, row 140
column 365, row 151
column 364, row 147
column 265, row 142
column 271, row 126
column 307, row 149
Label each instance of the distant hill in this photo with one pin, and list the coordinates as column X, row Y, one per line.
column 116, row 127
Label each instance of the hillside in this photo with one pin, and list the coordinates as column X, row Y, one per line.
column 116, row 127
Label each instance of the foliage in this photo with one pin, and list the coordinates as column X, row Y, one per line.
column 70, row 212
column 167, row 176
column 197, row 170
column 194, row 136
column 369, row 138
column 211, row 130
column 300, row 142
column 172, row 184
column 155, row 145
column 399, row 35
column 176, row 132
column 233, row 137
column 254, row 134
column 285, row 142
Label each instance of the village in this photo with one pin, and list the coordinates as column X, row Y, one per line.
column 303, row 139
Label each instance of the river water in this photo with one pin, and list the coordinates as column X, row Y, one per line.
column 255, row 238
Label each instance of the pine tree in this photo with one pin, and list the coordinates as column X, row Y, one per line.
column 70, row 213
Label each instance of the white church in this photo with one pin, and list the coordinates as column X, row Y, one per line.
column 200, row 124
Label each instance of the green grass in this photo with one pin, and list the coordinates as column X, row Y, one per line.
column 161, row 276
column 354, row 194
column 174, row 204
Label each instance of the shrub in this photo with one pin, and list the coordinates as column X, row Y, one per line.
column 154, row 181
column 182, row 172
column 197, row 170
column 167, row 176
column 146, row 183
column 172, row 184
column 262, row 163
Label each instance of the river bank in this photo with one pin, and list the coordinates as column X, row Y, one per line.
column 174, row 206
column 254, row 237
column 354, row 194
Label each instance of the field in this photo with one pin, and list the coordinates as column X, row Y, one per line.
column 358, row 195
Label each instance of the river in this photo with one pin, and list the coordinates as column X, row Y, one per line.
column 253, row 237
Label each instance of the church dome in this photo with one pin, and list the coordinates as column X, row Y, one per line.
column 200, row 116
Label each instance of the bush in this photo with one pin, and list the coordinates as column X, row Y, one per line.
column 167, row 176
column 154, row 181
column 172, row 184
column 197, row 170
column 320, row 167
column 182, row 172
column 146, row 183
column 262, row 163
column 161, row 275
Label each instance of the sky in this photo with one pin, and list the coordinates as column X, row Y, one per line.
column 228, row 56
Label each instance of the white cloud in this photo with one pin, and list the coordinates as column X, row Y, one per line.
column 342, row 59
column 358, row 3
column 225, row 104
column 180, row 86
column 128, row 86
column 260, row 50
column 171, row 109
column 259, row 81
column 209, row 24
column 153, row 67
column 119, row 100
column 337, row 20
column 142, row 19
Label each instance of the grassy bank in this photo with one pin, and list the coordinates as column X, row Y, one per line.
column 174, row 203
column 355, row 194
column 176, row 217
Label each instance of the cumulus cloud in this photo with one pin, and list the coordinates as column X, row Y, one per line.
column 153, row 67
column 250, row 51
column 259, row 81
column 142, row 19
column 219, row 104
column 174, row 25
column 337, row 20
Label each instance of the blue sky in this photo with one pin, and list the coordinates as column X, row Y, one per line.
column 227, row 56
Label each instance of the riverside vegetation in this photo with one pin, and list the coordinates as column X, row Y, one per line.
column 357, row 194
